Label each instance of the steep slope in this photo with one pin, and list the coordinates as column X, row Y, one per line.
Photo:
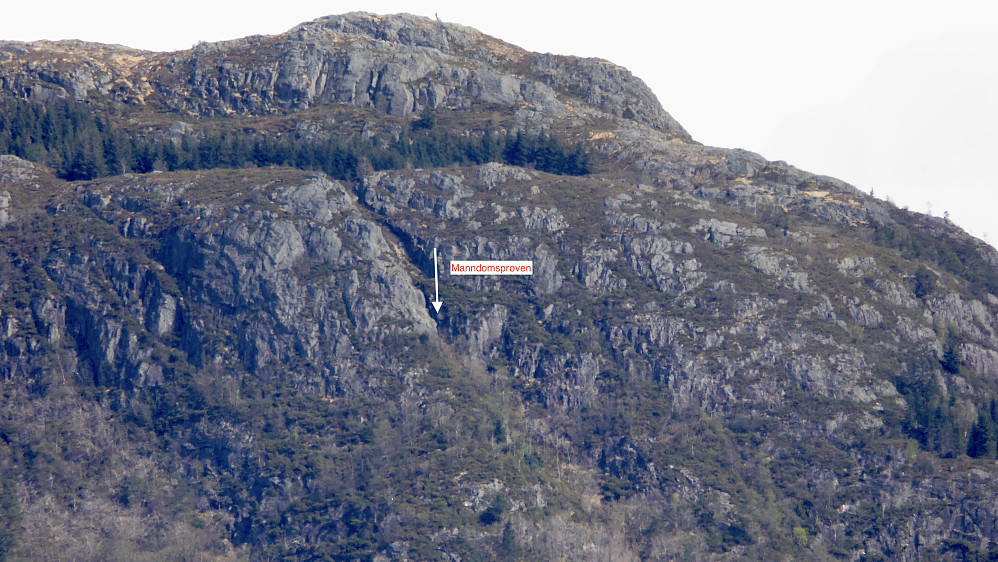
column 717, row 356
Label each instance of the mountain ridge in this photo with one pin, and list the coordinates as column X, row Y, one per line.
column 285, row 86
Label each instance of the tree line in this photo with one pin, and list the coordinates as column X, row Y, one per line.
column 80, row 145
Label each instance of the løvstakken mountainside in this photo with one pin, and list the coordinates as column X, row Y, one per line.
column 217, row 338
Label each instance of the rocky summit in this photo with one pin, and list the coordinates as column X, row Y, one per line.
column 218, row 337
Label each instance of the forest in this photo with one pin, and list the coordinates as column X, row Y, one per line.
column 81, row 145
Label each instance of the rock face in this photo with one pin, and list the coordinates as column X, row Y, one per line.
column 398, row 65
column 717, row 357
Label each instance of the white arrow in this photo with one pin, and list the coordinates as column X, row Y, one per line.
column 436, row 283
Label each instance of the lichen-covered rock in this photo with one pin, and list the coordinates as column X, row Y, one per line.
column 983, row 361
column 864, row 314
column 319, row 199
column 489, row 330
column 493, row 174
column 536, row 219
column 595, row 272
column 839, row 376
column 855, row 266
column 546, row 277
column 14, row 169
column 778, row 266
column 720, row 233
column 972, row 318
column 4, row 208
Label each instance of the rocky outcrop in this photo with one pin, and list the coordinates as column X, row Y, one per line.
column 721, row 233
column 779, row 266
column 397, row 65
column 542, row 220
column 44, row 71
column 4, row 208
column 252, row 263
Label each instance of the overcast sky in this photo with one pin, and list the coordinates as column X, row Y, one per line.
column 897, row 97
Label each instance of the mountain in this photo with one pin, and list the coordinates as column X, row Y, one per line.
column 217, row 339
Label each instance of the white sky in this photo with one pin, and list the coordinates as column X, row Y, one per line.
column 898, row 97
